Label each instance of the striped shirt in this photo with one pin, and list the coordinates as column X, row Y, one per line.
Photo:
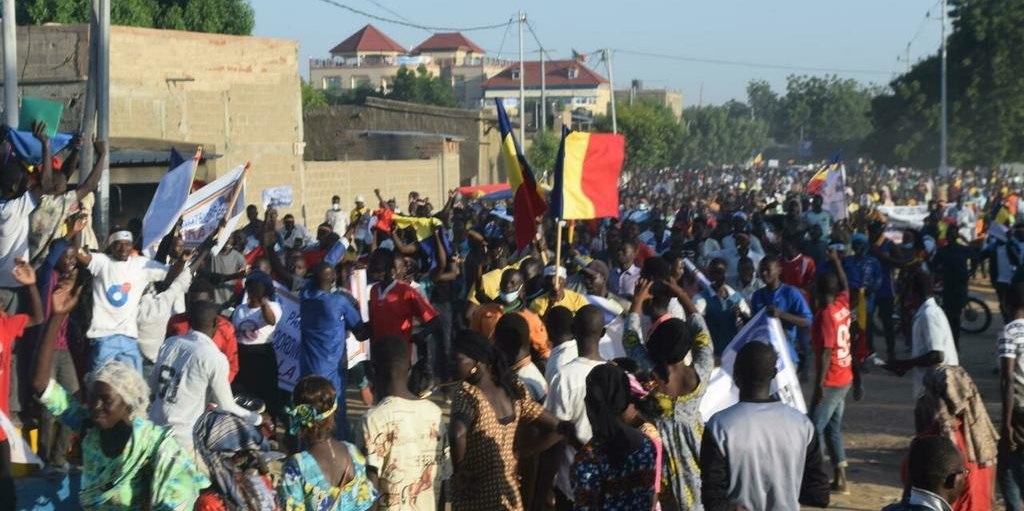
column 1011, row 345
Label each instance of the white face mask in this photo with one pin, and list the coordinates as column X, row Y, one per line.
column 336, row 206
column 508, row 298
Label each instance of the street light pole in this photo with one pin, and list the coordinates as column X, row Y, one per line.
column 943, row 122
column 611, row 85
column 10, row 66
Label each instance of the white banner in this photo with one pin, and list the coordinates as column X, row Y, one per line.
column 722, row 391
column 905, row 217
column 21, row 452
column 833, row 194
column 209, row 205
column 278, row 197
column 168, row 203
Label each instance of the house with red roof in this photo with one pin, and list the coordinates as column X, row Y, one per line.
column 568, row 85
column 370, row 58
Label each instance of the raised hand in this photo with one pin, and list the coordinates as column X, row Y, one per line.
column 99, row 147
column 23, row 273
column 39, row 131
column 65, row 297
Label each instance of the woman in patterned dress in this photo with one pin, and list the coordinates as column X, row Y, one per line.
column 487, row 409
column 330, row 475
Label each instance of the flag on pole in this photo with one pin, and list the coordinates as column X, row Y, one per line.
column 212, row 203
column 587, row 174
column 758, row 159
column 830, row 184
column 723, row 393
column 527, row 199
column 168, row 202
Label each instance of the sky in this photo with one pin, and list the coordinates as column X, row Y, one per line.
column 863, row 39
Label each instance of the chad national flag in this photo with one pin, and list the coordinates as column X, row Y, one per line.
column 527, row 199
column 587, row 176
column 816, row 185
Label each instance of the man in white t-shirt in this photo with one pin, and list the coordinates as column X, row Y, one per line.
column 191, row 373
column 818, row 216
column 119, row 280
column 931, row 337
column 569, row 388
column 15, row 207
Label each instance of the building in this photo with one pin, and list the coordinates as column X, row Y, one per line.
column 568, row 85
column 672, row 99
column 369, row 58
column 240, row 100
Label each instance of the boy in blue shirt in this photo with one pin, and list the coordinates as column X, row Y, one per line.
column 781, row 301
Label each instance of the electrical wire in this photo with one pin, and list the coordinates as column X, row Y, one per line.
column 751, row 64
column 501, row 47
column 410, row 24
column 390, row 11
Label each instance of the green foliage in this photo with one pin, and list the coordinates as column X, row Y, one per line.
column 312, row 97
column 722, row 135
column 215, row 16
column 543, row 152
column 652, row 134
column 421, row 87
column 986, row 94
column 830, row 111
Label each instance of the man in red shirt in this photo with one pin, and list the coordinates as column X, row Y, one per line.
column 224, row 337
column 797, row 268
column 11, row 329
column 395, row 308
column 836, row 372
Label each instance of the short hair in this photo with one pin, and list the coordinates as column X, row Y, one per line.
column 389, row 353
column 588, row 323
column 559, row 322
column 923, row 283
column 771, row 259
column 509, row 273
column 931, row 461
column 335, row 198
column 656, row 268
column 755, row 364
column 511, row 334
column 381, row 260
column 1015, row 298
column 669, row 343
column 530, row 266
column 828, row 283
column 11, row 176
column 201, row 286
column 202, row 315
column 289, row 216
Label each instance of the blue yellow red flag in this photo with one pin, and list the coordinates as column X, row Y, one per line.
column 527, row 198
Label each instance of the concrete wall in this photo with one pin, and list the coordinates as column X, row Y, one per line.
column 346, row 179
column 235, row 96
column 480, row 137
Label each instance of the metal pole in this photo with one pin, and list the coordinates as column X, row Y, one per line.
column 611, row 86
column 522, row 82
column 943, row 126
column 103, row 114
column 10, row 66
column 542, row 125
column 89, row 118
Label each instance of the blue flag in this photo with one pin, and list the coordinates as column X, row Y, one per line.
column 29, row 150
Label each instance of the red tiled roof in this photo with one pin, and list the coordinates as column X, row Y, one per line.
column 556, row 71
column 368, row 39
column 450, row 41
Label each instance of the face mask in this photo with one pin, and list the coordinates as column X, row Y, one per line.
column 907, row 246
column 336, row 206
column 510, row 297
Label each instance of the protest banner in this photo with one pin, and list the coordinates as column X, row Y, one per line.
column 278, row 197
column 722, row 391
column 219, row 200
column 168, row 202
column 905, row 217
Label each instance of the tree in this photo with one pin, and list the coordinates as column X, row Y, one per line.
column 831, row 112
column 763, row 101
column 985, row 94
column 421, row 86
column 312, row 97
column 543, row 152
column 215, row 16
column 652, row 134
column 722, row 135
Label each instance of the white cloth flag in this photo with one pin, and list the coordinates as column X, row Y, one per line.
column 168, row 202
column 209, row 205
column 722, row 391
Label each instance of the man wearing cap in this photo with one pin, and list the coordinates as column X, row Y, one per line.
column 555, row 293
column 119, row 280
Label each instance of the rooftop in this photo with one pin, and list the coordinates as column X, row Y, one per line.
column 558, row 73
column 449, row 41
column 368, row 39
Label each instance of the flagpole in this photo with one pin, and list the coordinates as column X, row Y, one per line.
column 237, row 191
column 522, row 82
column 558, row 248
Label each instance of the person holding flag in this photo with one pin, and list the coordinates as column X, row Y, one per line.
column 527, row 199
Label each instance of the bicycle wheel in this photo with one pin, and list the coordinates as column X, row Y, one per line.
column 976, row 316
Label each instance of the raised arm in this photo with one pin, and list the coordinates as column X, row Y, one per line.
column 71, row 162
column 26, row 276
column 844, row 284
column 46, row 165
column 93, row 179
column 64, row 299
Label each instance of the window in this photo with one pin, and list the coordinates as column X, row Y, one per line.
column 573, row 72
column 360, row 81
column 332, row 82
column 515, row 75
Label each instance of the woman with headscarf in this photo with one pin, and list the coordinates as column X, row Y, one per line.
column 127, row 461
column 617, row 468
column 487, row 409
column 330, row 475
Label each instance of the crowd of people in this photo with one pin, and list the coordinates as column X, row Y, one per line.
column 572, row 382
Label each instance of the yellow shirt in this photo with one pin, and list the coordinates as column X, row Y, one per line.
column 490, row 284
column 570, row 300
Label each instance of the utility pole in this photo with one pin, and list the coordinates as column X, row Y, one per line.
column 908, row 58
column 10, row 66
column 607, row 56
column 102, row 14
column 943, row 126
column 522, row 81
column 543, row 122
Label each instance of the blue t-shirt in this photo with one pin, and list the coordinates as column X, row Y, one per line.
column 785, row 298
column 325, row 319
column 885, row 290
column 853, row 274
